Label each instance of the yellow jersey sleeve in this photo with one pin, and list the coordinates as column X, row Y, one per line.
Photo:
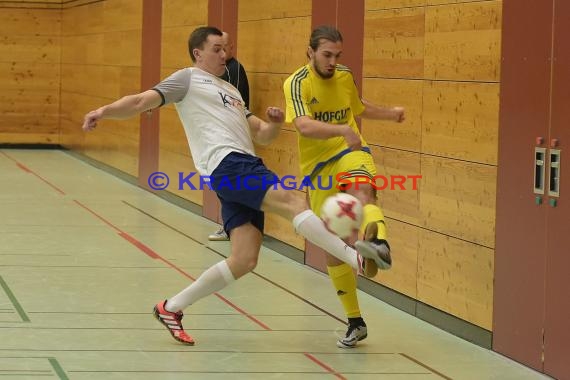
column 296, row 94
column 355, row 101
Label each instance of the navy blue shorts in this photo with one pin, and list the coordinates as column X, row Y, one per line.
column 241, row 182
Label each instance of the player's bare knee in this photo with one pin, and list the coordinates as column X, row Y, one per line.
column 292, row 203
column 298, row 205
column 243, row 265
column 333, row 261
column 250, row 264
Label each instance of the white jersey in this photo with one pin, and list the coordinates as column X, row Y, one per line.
column 213, row 114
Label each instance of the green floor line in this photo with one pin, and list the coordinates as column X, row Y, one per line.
column 14, row 301
column 57, row 368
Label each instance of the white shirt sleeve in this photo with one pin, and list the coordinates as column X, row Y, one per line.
column 175, row 87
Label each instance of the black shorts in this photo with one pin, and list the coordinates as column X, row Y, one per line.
column 241, row 182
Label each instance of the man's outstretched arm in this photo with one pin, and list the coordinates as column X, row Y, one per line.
column 124, row 108
column 372, row 111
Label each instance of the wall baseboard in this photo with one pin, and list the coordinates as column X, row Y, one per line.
column 29, row 146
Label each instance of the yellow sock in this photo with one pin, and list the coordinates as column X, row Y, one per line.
column 372, row 213
column 344, row 282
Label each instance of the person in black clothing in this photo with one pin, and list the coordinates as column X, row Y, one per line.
column 235, row 74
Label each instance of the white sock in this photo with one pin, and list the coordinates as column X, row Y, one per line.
column 313, row 229
column 213, row 279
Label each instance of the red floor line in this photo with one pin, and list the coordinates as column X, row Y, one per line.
column 147, row 250
column 28, row 170
column 23, row 167
column 323, row 365
column 98, row 216
column 154, row 255
column 252, row 318
column 48, row 182
column 175, row 267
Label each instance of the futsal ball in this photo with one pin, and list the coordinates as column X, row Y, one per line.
column 342, row 214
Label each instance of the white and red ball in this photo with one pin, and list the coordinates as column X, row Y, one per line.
column 342, row 214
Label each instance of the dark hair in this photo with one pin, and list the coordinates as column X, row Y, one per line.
column 199, row 36
column 327, row 32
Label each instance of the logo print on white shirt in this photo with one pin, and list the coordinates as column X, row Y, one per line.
column 230, row 101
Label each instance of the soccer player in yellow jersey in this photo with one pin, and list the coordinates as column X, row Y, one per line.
column 322, row 102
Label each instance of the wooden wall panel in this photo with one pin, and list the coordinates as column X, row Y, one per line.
column 102, row 17
column 457, row 198
column 408, row 44
column 442, row 2
column 122, row 15
column 72, row 114
column 112, row 81
column 405, row 241
column 91, row 16
column 461, row 120
column 268, row 92
column 19, row 103
column 271, row 9
column 28, row 132
column 29, row 114
column 184, row 13
column 115, row 142
column 70, row 134
column 457, row 277
column 16, row 76
column 30, row 22
column 371, row 5
column 172, row 134
column 260, row 52
column 122, row 48
column 179, row 19
column 463, row 41
column 29, row 75
column 73, row 49
column 403, row 205
column 175, row 53
column 391, row 92
column 282, row 155
column 394, row 43
column 101, row 59
column 112, row 149
column 38, row 49
column 23, row 2
column 32, row 4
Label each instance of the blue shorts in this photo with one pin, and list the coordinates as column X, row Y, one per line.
column 241, row 182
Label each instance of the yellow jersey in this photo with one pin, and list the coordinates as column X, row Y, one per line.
column 334, row 100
